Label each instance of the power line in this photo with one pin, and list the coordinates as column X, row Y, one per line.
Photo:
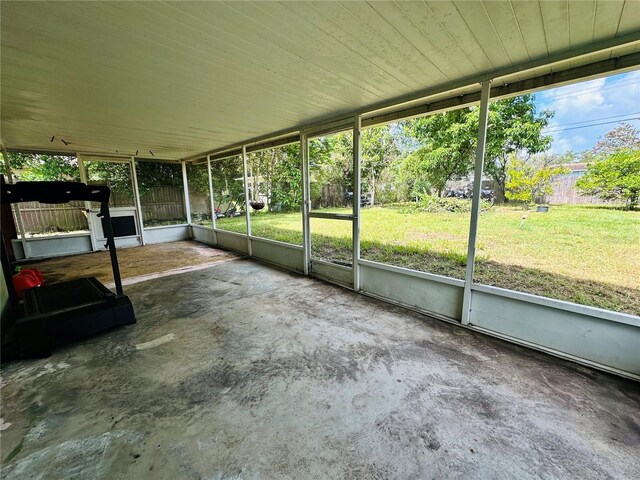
column 619, row 117
column 591, row 125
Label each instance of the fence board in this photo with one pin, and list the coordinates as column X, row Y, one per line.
column 40, row 218
column 159, row 204
column 565, row 192
column 162, row 204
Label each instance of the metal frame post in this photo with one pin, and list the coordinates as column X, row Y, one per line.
column 185, row 187
column 111, row 244
column 87, row 205
column 357, row 163
column 246, row 200
column 16, row 207
column 475, row 202
column 306, row 202
column 136, row 191
column 213, row 205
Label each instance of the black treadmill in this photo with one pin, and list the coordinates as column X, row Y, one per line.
column 59, row 313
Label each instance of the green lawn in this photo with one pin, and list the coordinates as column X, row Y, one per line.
column 583, row 254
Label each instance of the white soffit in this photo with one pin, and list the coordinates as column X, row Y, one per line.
column 184, row 78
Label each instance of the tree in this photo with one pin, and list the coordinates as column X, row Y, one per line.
column 287, row 183
column 154, row 174
column 117, row 175
column 259, row 170
column 428, row 169
column 198, row 178
column 227, row 177
column 32, row 167
column 528, row 182
column 514, row 126
column 277, row 175
column 330, row 163
column 379, row 151
column 624, row 136
column 617, row 177
column 446, row 145
column 448, row 140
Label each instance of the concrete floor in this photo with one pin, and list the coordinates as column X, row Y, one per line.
column 240, row 370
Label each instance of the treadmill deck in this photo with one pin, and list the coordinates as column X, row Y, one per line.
column 65, row 295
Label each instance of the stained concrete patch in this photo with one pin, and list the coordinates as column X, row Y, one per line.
column 157, row 342
column 90, row 457
column 258, row 373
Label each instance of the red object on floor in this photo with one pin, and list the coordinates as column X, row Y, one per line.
column 27, row 279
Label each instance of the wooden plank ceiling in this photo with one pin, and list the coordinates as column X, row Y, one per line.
column 182, row 78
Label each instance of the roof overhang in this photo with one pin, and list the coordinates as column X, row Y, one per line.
column 183, row 80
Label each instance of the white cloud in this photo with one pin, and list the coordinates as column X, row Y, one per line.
column 561, row 146
column 578, row 140
column 586, row 111
column 581, row 97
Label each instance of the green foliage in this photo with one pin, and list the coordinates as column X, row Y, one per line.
column 528, row 182
column 437, row 204
column 617, row 177
column 158, row 174
column 276, row 174
column 227, row 177
column 433, row 204
column 331, row 160
column 117, row 176
column 427, row 169
column 447, row 143
column 330, row 163
column 287, row 183
column 379, row 149
column 514, row 126
column 31, row 167
column 198, row 178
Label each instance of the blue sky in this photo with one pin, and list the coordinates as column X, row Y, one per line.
column 579, row 107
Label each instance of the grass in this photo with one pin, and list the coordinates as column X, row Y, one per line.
column 583, row 254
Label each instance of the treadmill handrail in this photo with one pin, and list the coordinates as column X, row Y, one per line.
column 64, row 192
column 53, row 192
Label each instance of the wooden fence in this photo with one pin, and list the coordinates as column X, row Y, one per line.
column 565, row 192
column 40, row 218
column 330, row 196
column 163, row 204
column 200, row 204
column 159, row 205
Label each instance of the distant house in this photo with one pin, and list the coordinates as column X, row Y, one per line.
column 578, row 169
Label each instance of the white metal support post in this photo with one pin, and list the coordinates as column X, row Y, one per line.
column 246, row 199
column 357, row 161
column 306, row 202
column 16, row 206
column 185, row 187
column 87, row 205
column 136, row 191
column 475, row 202
column 213, row 203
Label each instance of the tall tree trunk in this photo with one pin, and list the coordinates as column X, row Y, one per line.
column 373, row 190
column 500, row 177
